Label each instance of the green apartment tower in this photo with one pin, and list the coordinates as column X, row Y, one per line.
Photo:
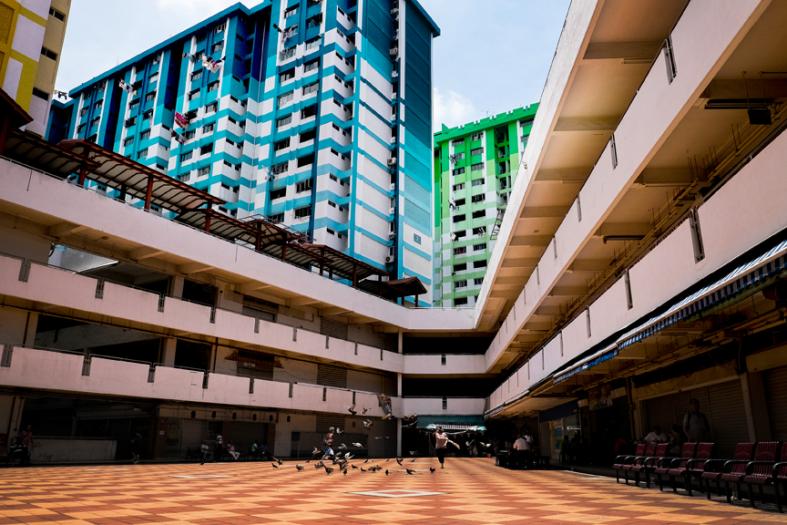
column 474, row 169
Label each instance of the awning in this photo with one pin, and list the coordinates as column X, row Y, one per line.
column 743, row 277
column 452, row 423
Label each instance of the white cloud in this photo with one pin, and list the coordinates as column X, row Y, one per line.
column 452, row 109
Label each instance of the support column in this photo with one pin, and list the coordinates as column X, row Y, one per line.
column 31, row 326
column 168, row 347
column 399, row 349
column 176, row 287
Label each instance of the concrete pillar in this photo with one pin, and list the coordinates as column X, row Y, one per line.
column 30, row 329
column 176, row 286
column 398, row 420
column 400, row 342
column 168, row 346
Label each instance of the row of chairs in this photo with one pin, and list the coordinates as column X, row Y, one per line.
column 757, row 464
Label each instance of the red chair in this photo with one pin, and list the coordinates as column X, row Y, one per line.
column 693, row 467
column 650, row 463
column 636, row 466
column 714, row 468
column 625, row 459
column 780, row 476
column 663, row 467
column 735, row 470
column 761, row 471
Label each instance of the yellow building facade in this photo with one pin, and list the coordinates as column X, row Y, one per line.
column 31, row 39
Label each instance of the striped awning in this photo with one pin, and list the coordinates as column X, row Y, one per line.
column 768, row 264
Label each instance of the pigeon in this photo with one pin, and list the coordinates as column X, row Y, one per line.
column 341, row 446
column 329, row 470
column 432, row 469
column 412, row 452
column 410, row 471
column 386, row 472
column 357, row 445
column 413, row 460
column 367, row 423
column 299, row 467
column 277, row 460
column 274, row 465
column 399, row 461
column 344, row 472
column 352, row 410
column 338, row 431
column 387, row 417
column 366, row 460
column 364, row 411
column 354, row 466
column 316, row 451
column 319, row 464
column 348, row 456
column 362, row 469
column 485, row 445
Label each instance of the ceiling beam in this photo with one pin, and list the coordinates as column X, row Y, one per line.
column 572, row 291
column 65, row 228
column 302, row 301
column 576, row 175
column 738, row 88
column 548, row 310
column 251, row 287
column 194, row 268
column 140, row 254
column 627, row 52
column 532, row 212
column 665, row 177
column 623, row 229
column 332, row 312
column 530, row 240
column 522, row 262
column 510, row 279
column 605, row 124
column 589, row 265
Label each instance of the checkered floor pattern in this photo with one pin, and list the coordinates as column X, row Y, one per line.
column 469, row 491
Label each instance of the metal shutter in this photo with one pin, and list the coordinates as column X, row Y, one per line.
column 776, row 394
column 723, row 404
column 329, row 375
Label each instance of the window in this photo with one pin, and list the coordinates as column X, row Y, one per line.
column 186, row 156
column 480, row 246
column 309, row 111
column 287, row 53
column 144, row 135
column 196, row 75
column 278, row 194
column 204, row 170
column 303, row 186
column 189, row 134
column 460, row 234
column 478, row 166
column 459, row 202
column 213, row 106
column 308, row 67
column 287, row 75
column 503, row 167
column 218, row 46
column 57, row 14
column 478, row 214
column 153, row 77
column 129, row 141
column 45, row 51
column 285, row 98
column 478, row 182
column 303, row 212
column 290, row 11
column 476, row 136
column 207, row 148
column 213, row 86
column 208, row 128
column 479, row 231
column 477, row 198
column 457, row 142
column 131, row 121
column 476, row 151
column 458, row 171
column 281, row 144
column 185, row 177
column 305, row 160
column 308, row 89
column 306, row 136
column 194, row 93
column 416, row 238
column 218, row 29
column 150, row 97
column 40, row 94
column 458, row 187
column 460, row 301
column 279, row 168
column 460, row 284
column 314, row 43
column 479, row 264
column 283, row 121
column 478, row 281
column 461, row 250
column 279, row 217
column 459, row 218
column 460, row 267
column 83, row 112
column 142, row 154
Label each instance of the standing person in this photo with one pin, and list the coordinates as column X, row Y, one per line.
column 135, row 445
column 327, row 441
column 26, row 442
column 695, row 424
column 218, row 448
column 205, row 452
column 441, row 441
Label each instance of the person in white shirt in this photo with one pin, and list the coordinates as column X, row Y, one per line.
column 441, row 441
column 656, row 436
column 522, row 447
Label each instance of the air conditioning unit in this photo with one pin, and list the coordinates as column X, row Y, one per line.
column 392, row 161
column 393, row 51
column 389, row 259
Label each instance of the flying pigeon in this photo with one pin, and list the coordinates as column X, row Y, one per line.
column 357, row 445
column 364, row 411
column 432, row 469
column 386, row 472
column 338, row 431
column 412, row 452
column 354, row 466
column 362, row 469
column 367, row 423
column 344, row 472
column 366, row 460
column 277, row 460
column 399, row 461
column 274, row 465
column 341, row 446
column 352, row 410
column 410, row 471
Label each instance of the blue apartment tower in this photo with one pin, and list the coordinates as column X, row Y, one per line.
column 311, row 113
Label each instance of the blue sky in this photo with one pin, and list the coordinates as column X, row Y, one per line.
column 492, row 55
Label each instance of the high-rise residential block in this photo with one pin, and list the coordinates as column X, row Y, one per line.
column 313, row 113
column 475, row 166
column 31, row 38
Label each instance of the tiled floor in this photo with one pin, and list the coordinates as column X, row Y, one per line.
column 470, row 491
